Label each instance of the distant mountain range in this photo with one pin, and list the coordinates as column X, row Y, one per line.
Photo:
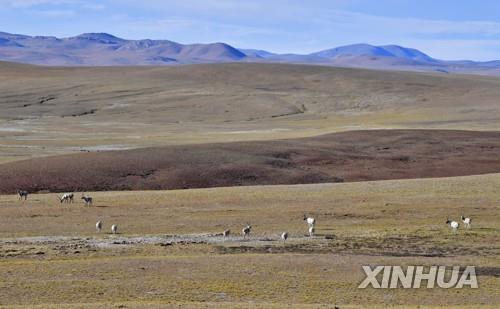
column 102, row 49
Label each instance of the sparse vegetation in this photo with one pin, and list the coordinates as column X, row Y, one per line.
column 339, row 157
column 170, row 249
column 357, row 224
column 149, row 106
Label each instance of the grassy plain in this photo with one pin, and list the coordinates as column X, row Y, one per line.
column 367, row 223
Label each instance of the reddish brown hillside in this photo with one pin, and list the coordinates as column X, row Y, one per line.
column 347, row 156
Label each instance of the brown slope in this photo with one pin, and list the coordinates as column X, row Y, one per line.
column 347, row 156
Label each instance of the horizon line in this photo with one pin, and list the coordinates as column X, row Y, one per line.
column 251, row 48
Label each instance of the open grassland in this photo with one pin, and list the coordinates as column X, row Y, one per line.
column 367, row 223
column 56, row 110
column 169, row 251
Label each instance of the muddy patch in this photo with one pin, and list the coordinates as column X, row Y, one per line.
column 395, row 246
column 488, row 271
column 414, row 246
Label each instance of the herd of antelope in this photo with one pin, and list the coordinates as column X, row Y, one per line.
column 69, row 198
column 65, row 198
column 284, row 236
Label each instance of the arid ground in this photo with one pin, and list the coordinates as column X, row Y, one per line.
column 53, row 110
column 176, row 155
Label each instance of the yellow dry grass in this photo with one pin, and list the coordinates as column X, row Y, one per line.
column 369, row 223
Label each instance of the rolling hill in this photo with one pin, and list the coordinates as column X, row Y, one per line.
column 339, row 157
column 57, row 110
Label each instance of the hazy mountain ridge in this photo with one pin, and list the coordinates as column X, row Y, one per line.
column 106, row 49
column 94, row 49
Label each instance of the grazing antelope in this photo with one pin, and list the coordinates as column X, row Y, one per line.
column 114, row 228
column 246, row 231
column 284, row 236
column 310, row 221
column 87, row 200
column 453, row 224
column 466, row 221
column 22, row 193
column 66, row 197
column 226, row 233
column 311, row 231
column 98, row 226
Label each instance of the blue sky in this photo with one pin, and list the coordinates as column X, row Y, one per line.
column 444, row 29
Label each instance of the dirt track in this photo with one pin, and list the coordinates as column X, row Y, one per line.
column 341, row 157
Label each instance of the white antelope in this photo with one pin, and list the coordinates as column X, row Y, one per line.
column 246, row 231
column 226, row 233
column 98, row 226
column 284, row 236
column 66, row 197
column 311, row 231
column 310, row 221
column 22, row 193
column 114, row 228
column 453, row 224
column 87, row 200
column 466, row 221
